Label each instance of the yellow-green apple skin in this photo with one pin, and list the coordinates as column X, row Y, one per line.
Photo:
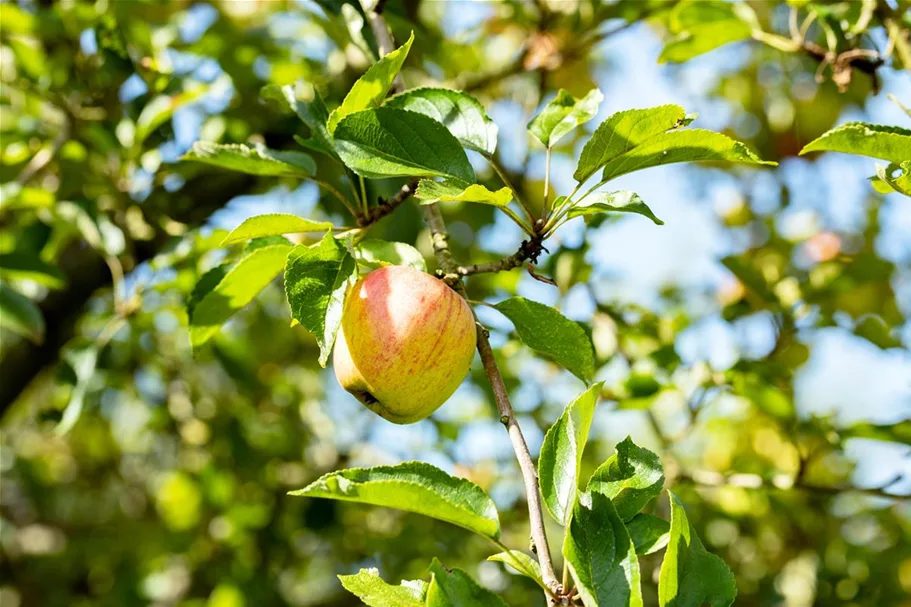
column 406, row 343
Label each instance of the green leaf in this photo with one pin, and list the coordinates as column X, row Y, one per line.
column 690, row 575
column 451, row 190
column 459, row 112
column 601, row 556
column 414, row 487
column 563, row 114
column 160, row 109
column 254, row 159
column 704, row 25
column 273, row 224
column 548, row 332
column 747, row 273
column 305, row 101
column 560, row 462
column 368, row 586
column 681, row 146
column 19, row 314
column 631, row 477
column 316, row 281
column 386, row 142
column 622, row 132
column 222, row 292
column 890, row 143
column 83, row 361
column 455, row 588
column 649, row 533
column 901, row 182
column 374, row 253
column 522, row 563
column 20, row 265
column 621, row 201
column 371, row 88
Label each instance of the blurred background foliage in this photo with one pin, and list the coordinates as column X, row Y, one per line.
column 758, row 341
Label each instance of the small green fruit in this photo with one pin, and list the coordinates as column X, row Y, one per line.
column 406, row 343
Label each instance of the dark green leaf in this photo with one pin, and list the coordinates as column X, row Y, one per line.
column 450, row 190
column 459, row 112
column 692, row 145
column 622, row 132
column 19, row 314
column 690, row 575
column 631, row 477
column 20, row 265
column 386, row 142
column 370, row 89
column 649, row 533
column 563, row 114
column 306, row 102
column 455, row 588
column 254, row 159
column 621, row 201
column 560, row 462
column 233, row 290
column 414, row 487
column 369, row 587
column 316, row 280
column 601, row 556
column 522, row 563
column 374, row 253
column 273, row 224
column 548, row 332
column 890, row 143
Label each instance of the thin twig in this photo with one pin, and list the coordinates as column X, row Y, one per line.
column 529, row 250
column 384, row 207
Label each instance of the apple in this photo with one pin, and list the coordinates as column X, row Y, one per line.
column 405, row 344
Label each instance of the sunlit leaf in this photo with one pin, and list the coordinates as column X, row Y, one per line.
column 649, row 533
column 369, row 587
column 621, row 201
column 316, row 280
column 455, row 588
column 374, row 253
column 622, row 132
column 255, row 159
column 451, row 190
column 459, row 112
column 415, row 487
column 560, row 462
column 600, row 555
column 690, row 575
column 522, row 563
column 223, row 292
column 896, row 176
column 371, row 88
column 890, row 143
column 703, row 25
column 273, row 224
column 632, row 477
column 692, row 145
column 563, row 114
column 545, row 330
column 82, row 359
